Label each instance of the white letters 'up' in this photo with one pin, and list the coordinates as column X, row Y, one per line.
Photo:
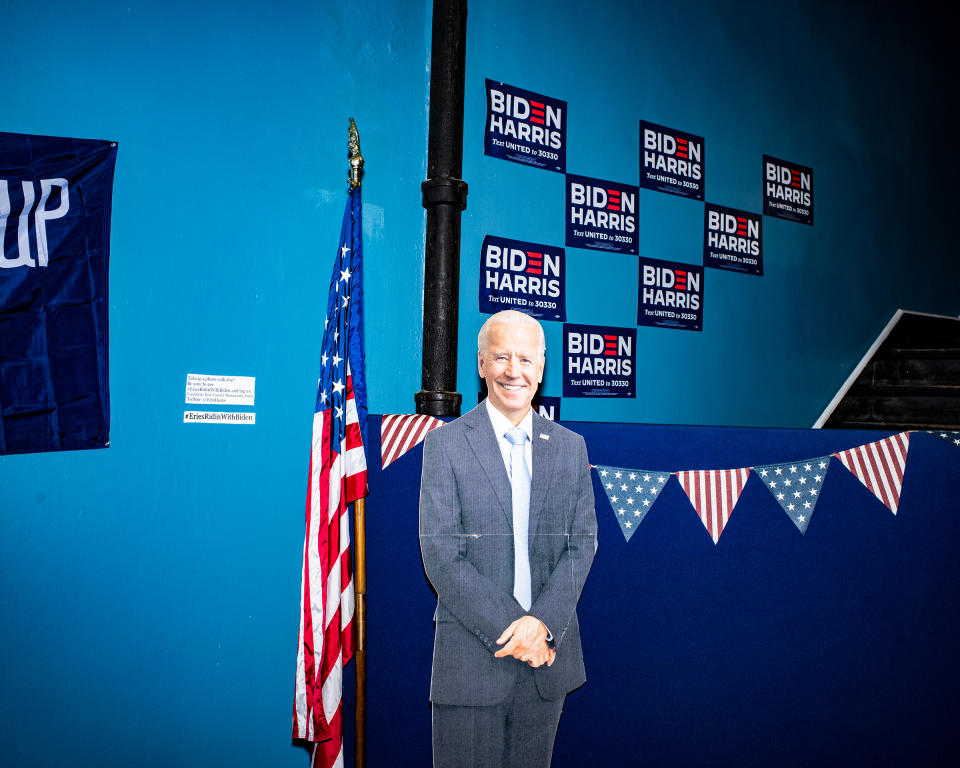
column 41, row 217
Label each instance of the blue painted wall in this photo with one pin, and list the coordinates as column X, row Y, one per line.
column 149, row 591
column 855, row 96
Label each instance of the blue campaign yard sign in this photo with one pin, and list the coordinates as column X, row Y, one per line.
column 55, row 197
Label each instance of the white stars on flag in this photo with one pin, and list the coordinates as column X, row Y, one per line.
column 631, row 507
column 950, row 436
column 807, row 477
column 337, row 478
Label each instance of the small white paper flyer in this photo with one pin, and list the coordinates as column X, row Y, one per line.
column 206, row 389
column 219, row 417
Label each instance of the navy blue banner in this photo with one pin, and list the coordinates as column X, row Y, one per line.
column 670, row 295
column 671, row 161
column 55, row 197
column 525, row 127
column 787, row 190
column 599, row 361
column 732, row 239
column 525, row 276
column 548, row 407
column 601, row 214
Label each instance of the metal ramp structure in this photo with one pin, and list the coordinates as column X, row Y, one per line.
column 908, row 379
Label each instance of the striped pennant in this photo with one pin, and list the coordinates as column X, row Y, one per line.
column 400, row 433
column 880, row 466
column 714, row 493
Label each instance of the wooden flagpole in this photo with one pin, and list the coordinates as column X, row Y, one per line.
column 360, row 627
column 360, row 547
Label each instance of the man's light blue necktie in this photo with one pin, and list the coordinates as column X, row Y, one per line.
column 520, row 484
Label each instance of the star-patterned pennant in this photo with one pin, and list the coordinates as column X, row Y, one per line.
column 714, row 493
column 796, row 486
column 950, row 436
column 632, row 493
column 880, row 466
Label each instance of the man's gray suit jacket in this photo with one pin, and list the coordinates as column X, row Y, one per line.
column 466, row 539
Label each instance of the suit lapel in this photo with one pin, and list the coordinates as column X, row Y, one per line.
column 483, row 443
column 544, row 466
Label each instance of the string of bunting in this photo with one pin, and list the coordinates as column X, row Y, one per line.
column 714, row 493
column 795, row 485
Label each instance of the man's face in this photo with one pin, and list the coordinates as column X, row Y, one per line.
column 512, row 366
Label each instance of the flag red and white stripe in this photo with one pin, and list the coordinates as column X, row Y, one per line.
column 880, row 466
column 338, row 477
column 713, row 493
column 400, row 433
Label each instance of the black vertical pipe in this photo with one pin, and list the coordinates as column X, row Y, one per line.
column 444, row 197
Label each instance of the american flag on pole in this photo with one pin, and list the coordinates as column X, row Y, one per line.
column 338, row 477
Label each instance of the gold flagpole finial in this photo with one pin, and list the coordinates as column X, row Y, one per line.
column 356, row 159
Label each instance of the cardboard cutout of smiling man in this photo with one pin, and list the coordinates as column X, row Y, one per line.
column 508, row 534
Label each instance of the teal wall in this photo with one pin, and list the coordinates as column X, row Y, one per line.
column 149, row 591
column 854, row 95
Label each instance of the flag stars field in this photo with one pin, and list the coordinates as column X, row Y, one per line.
column 630, row 507
column 951, row 437
column 797, row 475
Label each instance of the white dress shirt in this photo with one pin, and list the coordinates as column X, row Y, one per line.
column 501, row 425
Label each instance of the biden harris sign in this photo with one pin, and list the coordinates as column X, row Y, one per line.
column 55, row 197
column 599, row 361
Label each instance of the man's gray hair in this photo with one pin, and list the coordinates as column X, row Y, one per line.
column 509, row 317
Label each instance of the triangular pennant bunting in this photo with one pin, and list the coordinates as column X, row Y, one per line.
column 400, row 433
column 950, row 436
column 631, row 493
column 796, row 486
column 880, row 466
column 714, row 493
